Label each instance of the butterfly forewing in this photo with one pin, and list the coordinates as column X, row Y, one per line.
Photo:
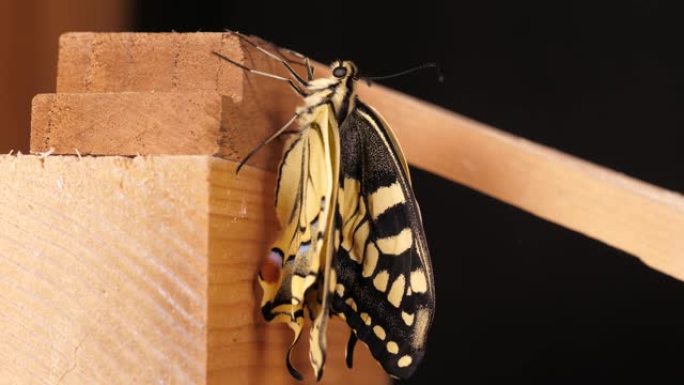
column 384, row 285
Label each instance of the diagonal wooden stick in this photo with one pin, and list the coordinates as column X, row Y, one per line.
column 626, row 213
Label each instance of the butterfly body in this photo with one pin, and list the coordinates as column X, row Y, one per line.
column 352, row 241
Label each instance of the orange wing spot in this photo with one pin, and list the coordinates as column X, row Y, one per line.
column 271, row 267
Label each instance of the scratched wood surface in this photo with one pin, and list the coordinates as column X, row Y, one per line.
column 120, row 270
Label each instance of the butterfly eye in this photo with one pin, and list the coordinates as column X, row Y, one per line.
column 339, row 72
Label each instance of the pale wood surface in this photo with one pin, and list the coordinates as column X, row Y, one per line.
column 625, row 213
column 117, row 270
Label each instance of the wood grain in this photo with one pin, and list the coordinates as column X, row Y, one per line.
column 103, row 67
column 133, row 123
column 128, row 122
column 117, row 270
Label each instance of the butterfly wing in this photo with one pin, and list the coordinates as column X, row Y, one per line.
column 299, row 261
column 384, row 285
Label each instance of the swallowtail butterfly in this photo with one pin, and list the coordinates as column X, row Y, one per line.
column 351, row 242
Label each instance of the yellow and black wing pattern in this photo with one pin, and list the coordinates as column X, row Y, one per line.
column 384, row 284
column 299, row 260
column 351, row 242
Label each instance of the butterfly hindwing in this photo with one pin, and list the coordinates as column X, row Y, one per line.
column 304, row 196
column 384, row 287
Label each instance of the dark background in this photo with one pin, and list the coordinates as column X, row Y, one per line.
column 519, row 299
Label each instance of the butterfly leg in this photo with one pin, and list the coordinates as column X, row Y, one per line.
column 277, row 49
column 265, row 142
column 294, row 86
column 307, row 62
column 284, row 61
column 281, row 131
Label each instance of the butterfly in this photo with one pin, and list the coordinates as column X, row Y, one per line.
column 351, row 242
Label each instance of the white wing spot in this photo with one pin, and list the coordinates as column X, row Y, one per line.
column 332, row 284
column 404, row 361
column 408, row 318
column 351, row 303
column 418, row 281
column 304, row 249
column 336, row 240
column 365, row 318
column 380, row 280
column 379, row 332
column 392, row 347
column 298, row 285
column 339, row 289
column 396, row 292
column 396, row 244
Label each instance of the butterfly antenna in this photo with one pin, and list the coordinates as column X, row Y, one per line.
column 440, row 75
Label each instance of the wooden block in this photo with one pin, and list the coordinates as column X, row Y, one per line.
column 119, row 73
column 176, row 62
column 141, row 270
column 120, row 62
column 132, row 123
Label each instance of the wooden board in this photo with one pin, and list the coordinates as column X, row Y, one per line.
column 138, row 82
column 118, row 270
column 135, row 123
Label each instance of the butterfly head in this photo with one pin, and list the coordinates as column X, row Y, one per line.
column 343, row 69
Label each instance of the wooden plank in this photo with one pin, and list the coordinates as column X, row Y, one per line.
column 119, row 270
column 178, row 62
column 144, row 123
column 165, row 62
column 135, row 82
column 128, row 123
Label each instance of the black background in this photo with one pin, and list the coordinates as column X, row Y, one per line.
column 519, row 299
